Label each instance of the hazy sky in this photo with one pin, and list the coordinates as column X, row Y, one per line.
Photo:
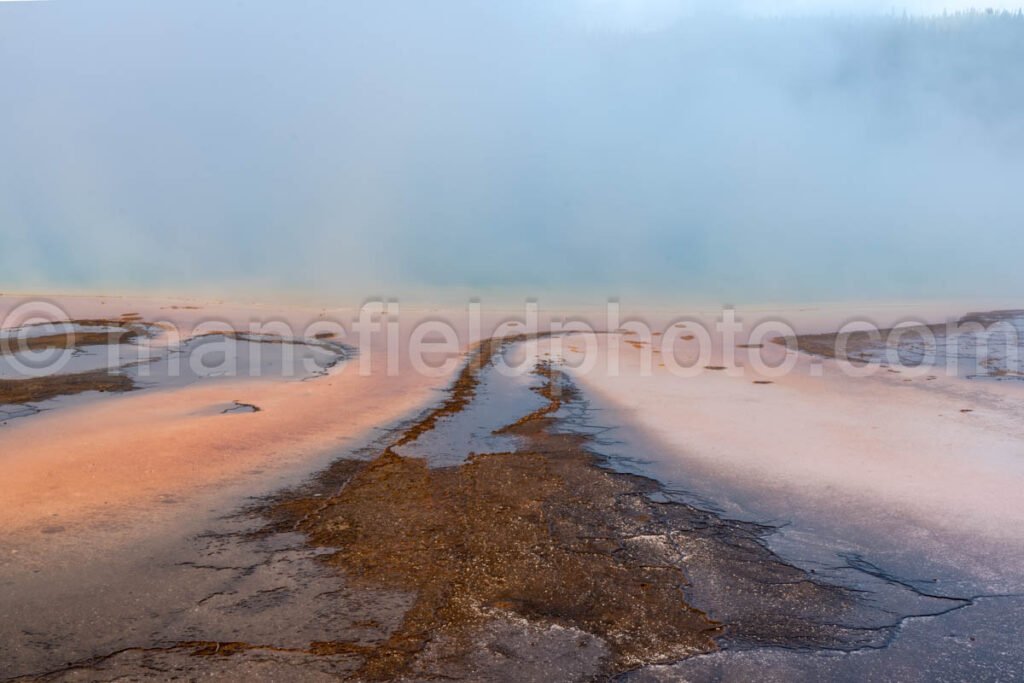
column 659, row 13
column 595, row 146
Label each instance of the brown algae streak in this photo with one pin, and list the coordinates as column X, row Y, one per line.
column 39, row 389
column 547, row 534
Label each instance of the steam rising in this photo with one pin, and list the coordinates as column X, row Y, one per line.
column 393, row 147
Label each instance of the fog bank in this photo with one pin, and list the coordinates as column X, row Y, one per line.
column 358, row 149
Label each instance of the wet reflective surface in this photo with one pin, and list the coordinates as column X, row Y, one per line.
column 519, row 530
column 70, row 362
column 977, row 346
